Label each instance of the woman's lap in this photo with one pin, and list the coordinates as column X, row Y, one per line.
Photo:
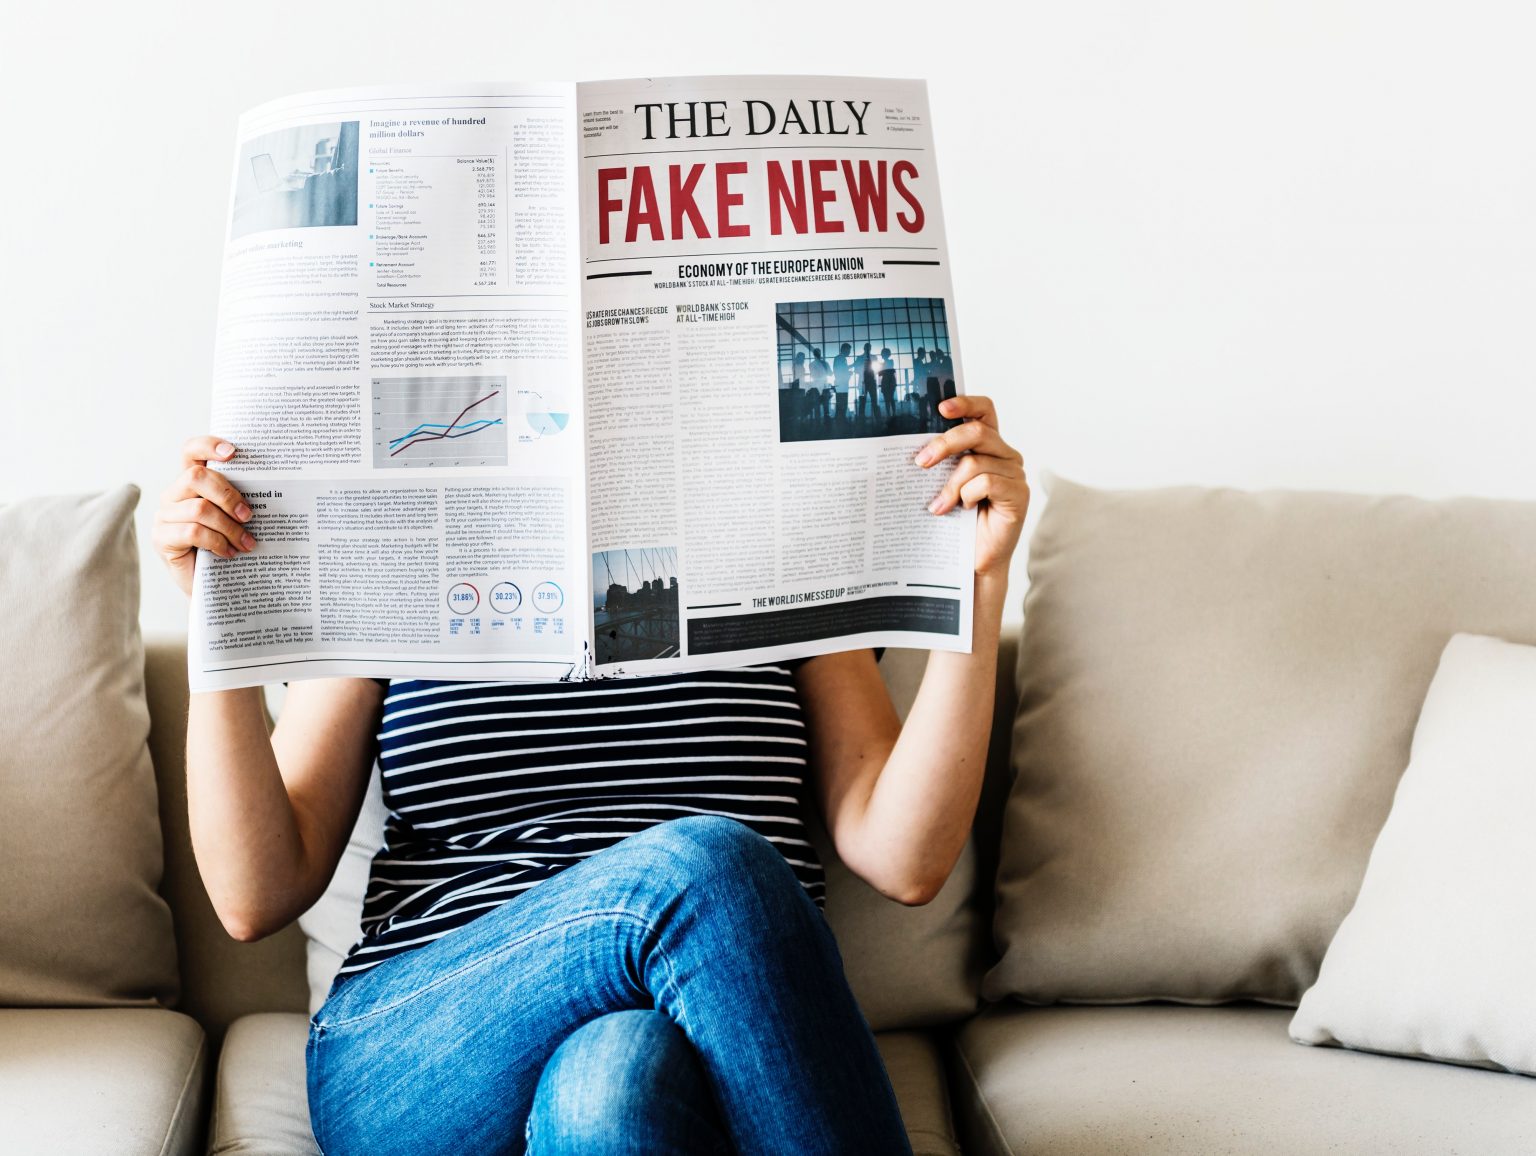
column 441, row 1049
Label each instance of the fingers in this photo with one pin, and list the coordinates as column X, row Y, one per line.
column 998, row 491
column 174, row 539
column 977, row 476
column 200, row 481
column 202, row 509
column 970, row 405
column 975, row 436
column 205, row 448
column 203, row 512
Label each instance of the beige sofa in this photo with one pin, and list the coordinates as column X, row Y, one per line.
column 224, row 1071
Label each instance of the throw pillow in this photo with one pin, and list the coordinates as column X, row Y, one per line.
column 82, row 923
column 1218, row 692
column 1437, row 956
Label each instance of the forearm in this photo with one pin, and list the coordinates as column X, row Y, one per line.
column 921, row 806
column 244, row 832
column 268, row 815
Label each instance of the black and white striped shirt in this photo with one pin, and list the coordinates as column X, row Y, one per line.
column 493, row 787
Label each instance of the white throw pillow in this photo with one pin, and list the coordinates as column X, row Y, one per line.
column 1437, row 960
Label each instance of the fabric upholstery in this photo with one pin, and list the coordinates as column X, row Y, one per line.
column 89, row 1081
column 1218, row 691
column 1164, row 1080
column 223, row 978
column 334, row 923
column 1437, row 957
column 82, row 923
column 260, row 1103
column 915, row 1063
column 908, row 966
column 261, row 1106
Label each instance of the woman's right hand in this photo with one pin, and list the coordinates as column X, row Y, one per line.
column 200, row 509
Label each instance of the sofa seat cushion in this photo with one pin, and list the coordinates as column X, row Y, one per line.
column 915, row 1063
column 1158, row 1078
column 92, row 1080
column 261, row 1105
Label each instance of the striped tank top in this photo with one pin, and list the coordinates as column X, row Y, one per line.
column 492, row 788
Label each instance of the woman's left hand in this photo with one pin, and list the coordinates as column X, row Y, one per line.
column 989, row 476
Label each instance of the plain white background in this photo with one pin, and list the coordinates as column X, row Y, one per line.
column 1281, row 243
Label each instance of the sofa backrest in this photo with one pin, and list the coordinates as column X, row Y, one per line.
column 909, row 966
column 221, row 978
column 914, row 967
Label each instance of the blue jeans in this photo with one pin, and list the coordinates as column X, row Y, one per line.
column 676, row 992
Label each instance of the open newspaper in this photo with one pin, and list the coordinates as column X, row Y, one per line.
column 544, row 381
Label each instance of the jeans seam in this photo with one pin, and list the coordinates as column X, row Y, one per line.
column 312, row 1061
column 486, row 958
column 682, row 1017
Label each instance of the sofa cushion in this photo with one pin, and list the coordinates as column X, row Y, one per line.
column 1158, row 1078
column 915, row 1063
column 909, row 966
column 1217, row 694
column 84, row 1081
column 262, row 1105
column 1437, row 956
column 260, row 1100
column 82, row 923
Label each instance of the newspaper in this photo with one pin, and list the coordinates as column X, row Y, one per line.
column 569, row 381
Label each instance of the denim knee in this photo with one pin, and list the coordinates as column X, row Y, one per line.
column 716, row 850
column 607, row 1077
column 630, row 1049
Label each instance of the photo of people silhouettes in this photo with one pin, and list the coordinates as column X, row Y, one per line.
column 297, row 178
column 864, row 368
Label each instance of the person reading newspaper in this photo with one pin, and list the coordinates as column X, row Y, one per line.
column 597, row 926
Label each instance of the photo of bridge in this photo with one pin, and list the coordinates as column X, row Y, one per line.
column 635, row 603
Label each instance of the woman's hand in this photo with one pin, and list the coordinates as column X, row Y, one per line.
column 989, row 476
column 201, row 508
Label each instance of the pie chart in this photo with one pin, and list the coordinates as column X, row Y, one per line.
column 546, row 423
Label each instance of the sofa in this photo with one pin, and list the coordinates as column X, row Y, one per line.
column 1078, row 986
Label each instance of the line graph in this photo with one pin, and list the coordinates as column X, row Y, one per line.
column 441, row 422
column 456, row 428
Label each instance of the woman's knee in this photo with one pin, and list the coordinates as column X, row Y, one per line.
column 611, row 1061
column 718, row 881
column 608, row 1075
column 717, row 847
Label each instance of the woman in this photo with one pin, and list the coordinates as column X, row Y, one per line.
column 559, row 988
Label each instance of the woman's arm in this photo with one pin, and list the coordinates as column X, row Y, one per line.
column 899, row 800
column 269, row 816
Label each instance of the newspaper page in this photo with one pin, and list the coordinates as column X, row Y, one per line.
column 398, row 364
column 768, row 326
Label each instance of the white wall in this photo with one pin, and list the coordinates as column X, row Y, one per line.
column 1289, row 243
